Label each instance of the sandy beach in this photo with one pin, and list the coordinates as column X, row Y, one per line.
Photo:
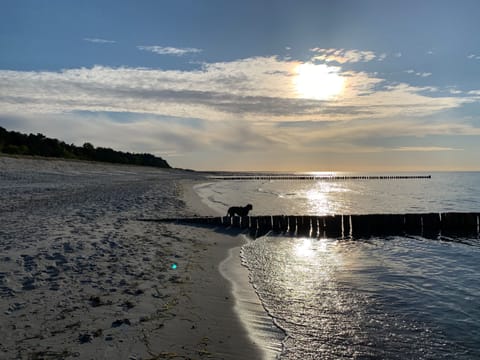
column 81, row 277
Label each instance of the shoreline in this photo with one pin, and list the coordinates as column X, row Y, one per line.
column 207, row 317
column 254, row 319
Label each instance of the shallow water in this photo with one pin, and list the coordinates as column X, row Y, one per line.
column 377, row 298
column 381, row 298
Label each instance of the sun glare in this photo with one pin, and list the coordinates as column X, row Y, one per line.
column 320, row 82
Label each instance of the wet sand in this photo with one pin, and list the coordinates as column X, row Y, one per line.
column 80, row 277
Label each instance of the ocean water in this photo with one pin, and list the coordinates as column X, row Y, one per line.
column 378, row 298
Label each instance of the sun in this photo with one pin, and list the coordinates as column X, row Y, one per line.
column 319, row 82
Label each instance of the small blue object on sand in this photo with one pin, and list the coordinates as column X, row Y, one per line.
column 174, row 266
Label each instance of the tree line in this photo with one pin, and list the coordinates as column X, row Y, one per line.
column 12, row 142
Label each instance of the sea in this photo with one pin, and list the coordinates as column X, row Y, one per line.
column 395, row 297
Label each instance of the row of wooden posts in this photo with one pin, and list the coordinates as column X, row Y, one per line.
column 347, row 226
column 322, row 177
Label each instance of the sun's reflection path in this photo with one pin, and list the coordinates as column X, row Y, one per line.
column 306, row 270
column 326, row 198
column 302, row 284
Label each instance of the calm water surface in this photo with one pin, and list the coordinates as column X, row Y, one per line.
column 377, row 298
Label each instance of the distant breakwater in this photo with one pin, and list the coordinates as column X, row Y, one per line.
column 429, row 225
column 322, row 177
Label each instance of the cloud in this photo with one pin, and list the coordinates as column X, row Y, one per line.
column 455, row 91
column 424, row 149
column 239, row 106
column 99, row 41
column 473, row 57
column 258, row 89
column 417, row 73
column 167, row 50
column 343, row 56
column 349, row 131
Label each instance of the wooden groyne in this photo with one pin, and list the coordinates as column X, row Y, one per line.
column 347, row 226
column 322, row 177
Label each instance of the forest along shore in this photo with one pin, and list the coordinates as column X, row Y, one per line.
column 80, row 277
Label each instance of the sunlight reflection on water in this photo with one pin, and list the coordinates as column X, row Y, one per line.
column 374, row 299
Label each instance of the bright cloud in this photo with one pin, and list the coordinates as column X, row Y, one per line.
column 418, row 73
column 99, row 41
column 474, row 57
column 167, row 50
column 342, row 56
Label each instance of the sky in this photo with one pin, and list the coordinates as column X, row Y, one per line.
column 340, row 85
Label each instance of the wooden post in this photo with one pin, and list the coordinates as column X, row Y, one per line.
column 227, row 221
column 244, row 222
column 253, row 226
column 303, row 225
column 264, row 225
column 276, row 223
column 314, row 223
column 333, row 224
column 413, row 224
column 322, row 228
column 431, row 225
column 346, row 226
column 360, row 226
column 292, row 225
column 236, row 221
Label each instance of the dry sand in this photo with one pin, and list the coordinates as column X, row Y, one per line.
column 80, row 277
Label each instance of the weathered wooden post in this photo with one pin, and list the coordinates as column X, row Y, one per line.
column 360, row 226
column 253, row 226
column 292, row 225
column 431, row 225
column 244, row 222
column 346, row 226
column 322, row 227
column 236, row 221
column 303, row 225
column 413, row 224
column 394, row 224
column 264, row 225
column 314, row 224
column 333, row 224
column 276, row 223
column 227, row 221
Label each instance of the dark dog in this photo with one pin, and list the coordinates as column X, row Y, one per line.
column 240, row 211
